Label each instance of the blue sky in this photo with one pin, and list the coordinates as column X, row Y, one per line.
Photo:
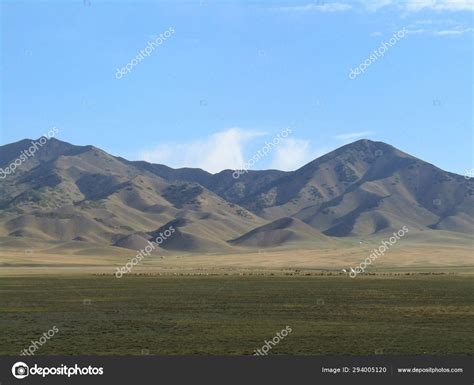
column 233, row 75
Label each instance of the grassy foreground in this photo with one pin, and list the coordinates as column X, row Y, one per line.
column 158, row 315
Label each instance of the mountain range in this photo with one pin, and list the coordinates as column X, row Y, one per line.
column 69, row 194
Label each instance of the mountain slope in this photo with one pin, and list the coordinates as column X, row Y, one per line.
column 85, row 194
column 367, row 187
column 281, row 232
column 71, row 193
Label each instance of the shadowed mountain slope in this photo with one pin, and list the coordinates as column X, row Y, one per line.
column 80, row 193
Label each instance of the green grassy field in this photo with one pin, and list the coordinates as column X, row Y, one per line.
column 135, row 315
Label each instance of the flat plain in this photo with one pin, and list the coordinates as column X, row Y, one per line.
column 383, row 313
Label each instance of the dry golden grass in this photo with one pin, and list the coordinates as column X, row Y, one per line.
column 405, row 258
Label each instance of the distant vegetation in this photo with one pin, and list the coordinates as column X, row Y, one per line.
column 414, row 314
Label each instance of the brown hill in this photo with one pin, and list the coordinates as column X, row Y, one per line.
column 80, row 193
column 282, row 231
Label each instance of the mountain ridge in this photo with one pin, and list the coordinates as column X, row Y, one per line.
column 81, row 193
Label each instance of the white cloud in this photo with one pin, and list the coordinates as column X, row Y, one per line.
column 326, row 7
column 440, row 5
column 440, row 28
column 377, row 33
column 415, row 31
column 409, row 6
column 222, row 150
column 418, row 5
column 375, row 5
column 226, row 150
column 453, row 32
column 353, row 135
column 293, row 153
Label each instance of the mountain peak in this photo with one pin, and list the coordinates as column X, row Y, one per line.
column 68, row 192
